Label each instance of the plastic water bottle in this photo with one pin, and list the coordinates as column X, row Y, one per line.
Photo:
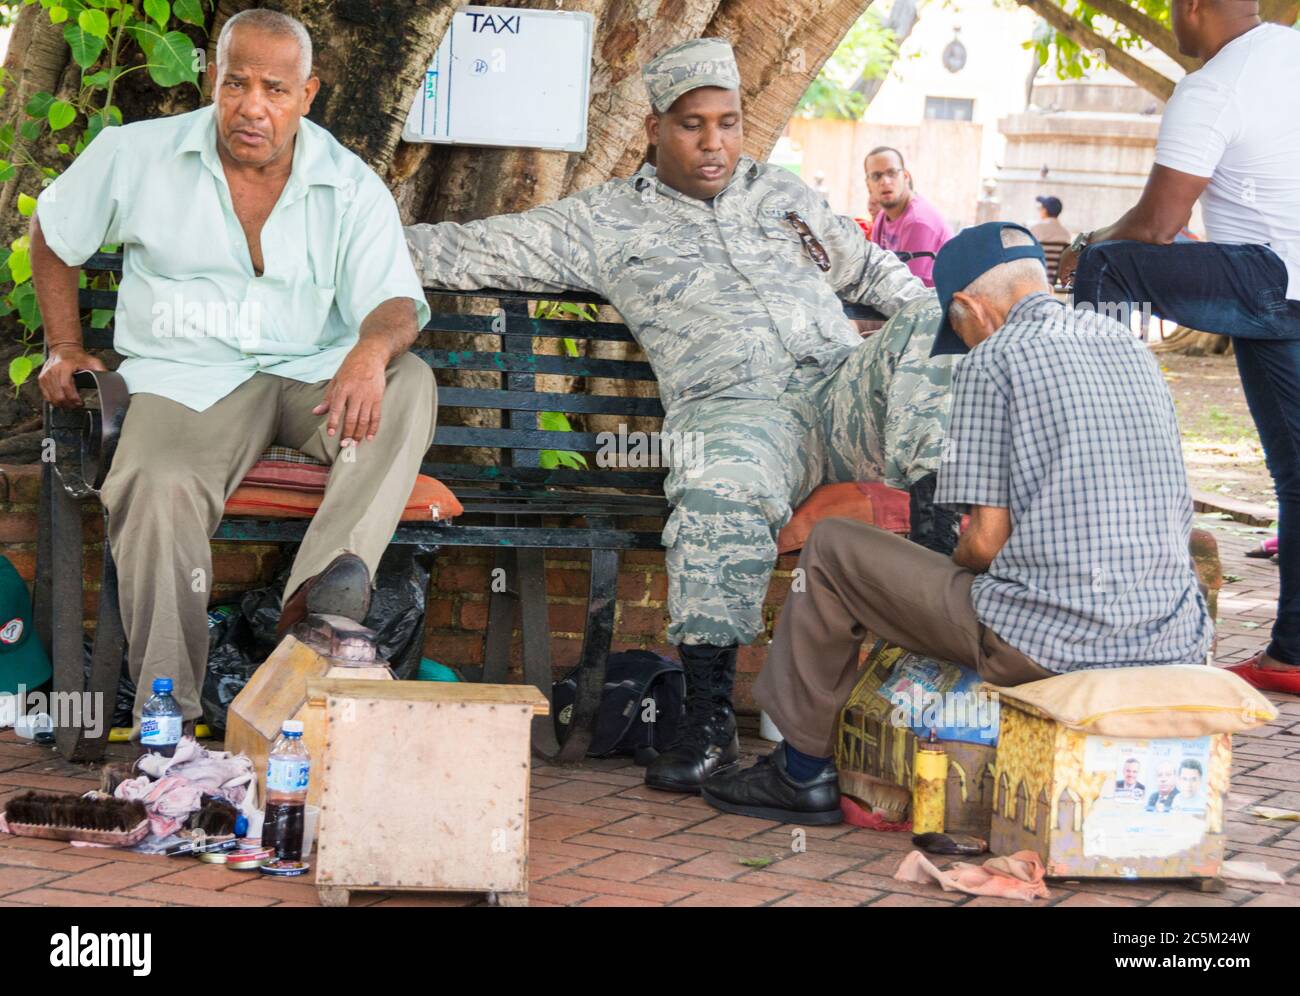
column 160, row 720
column 288, row 769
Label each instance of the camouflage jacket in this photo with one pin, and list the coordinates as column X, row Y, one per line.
column 723, row 296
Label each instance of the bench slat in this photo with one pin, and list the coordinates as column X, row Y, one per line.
column 650, row 480
column 565, row 366
column 542, row 401
column 544, row 328
column 433, row 534
column 515, row 439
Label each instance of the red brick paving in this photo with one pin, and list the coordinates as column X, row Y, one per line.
column 599, row 837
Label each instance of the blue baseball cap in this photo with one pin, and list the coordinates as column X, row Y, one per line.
column 965, row 258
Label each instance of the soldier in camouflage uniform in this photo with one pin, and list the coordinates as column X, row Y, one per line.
column 731, row 274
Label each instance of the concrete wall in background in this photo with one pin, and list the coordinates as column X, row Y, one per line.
column 942, row 156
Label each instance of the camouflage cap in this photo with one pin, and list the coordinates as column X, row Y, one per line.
column 688, row 66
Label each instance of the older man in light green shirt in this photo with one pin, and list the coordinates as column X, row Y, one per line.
column 267, row 297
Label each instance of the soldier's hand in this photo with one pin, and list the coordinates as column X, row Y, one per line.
column 56, row 374
column 355, row 396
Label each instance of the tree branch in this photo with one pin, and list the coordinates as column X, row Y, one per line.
column 1145, row 27
column 1139, row 72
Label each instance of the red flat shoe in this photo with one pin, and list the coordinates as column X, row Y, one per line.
column 1266, row 679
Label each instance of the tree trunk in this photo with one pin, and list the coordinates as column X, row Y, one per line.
column 1189, row 342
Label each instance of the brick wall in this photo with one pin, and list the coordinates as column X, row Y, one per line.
column 456, row 621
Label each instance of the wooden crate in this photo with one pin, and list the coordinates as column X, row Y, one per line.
column 424, row 787
column 870, row 744
column 278, row 691
column 1062, row 793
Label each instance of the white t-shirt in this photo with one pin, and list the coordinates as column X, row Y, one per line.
column 1236, row 120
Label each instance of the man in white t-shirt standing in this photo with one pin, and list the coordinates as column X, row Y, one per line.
column 1230, row 135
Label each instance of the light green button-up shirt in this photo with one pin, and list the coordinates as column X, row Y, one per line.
column 193, row 321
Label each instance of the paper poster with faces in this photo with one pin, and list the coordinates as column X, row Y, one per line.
column 1154, row 799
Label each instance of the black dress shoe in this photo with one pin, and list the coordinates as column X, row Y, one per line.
column 341, row 589
column 767, row 791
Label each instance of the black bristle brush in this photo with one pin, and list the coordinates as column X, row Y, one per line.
column 75, row 812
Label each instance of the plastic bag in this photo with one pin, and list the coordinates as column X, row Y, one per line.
column 124, row 701
column 229, row 662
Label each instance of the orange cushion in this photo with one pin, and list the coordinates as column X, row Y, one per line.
column 875, row 504
column 430, row 501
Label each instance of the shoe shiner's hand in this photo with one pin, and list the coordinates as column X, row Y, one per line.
column 355, row 396
column 56, row 375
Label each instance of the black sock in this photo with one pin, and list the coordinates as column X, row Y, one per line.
column 803, row 767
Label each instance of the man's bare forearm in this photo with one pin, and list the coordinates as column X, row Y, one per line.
column 966, row 555
column 390, row 329
column 56, row 291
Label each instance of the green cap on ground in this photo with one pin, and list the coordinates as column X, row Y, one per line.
column 689, row 66
column 22, row 658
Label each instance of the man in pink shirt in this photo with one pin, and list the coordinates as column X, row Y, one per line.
column 907, row 222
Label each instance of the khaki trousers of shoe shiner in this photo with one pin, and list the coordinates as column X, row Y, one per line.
column 175, row 468
column 856, row 579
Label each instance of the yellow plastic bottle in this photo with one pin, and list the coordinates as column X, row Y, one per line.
column 929, row 786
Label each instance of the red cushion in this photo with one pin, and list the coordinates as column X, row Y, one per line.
column 299, row 494
column 872, row 503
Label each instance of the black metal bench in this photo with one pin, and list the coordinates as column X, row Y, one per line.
column 514, row 506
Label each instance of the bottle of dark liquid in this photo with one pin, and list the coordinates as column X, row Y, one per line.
column 288, row 769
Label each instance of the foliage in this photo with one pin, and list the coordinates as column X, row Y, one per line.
column 1068, row 60
column 866, row 53
column 105, row 38
column 558, row 421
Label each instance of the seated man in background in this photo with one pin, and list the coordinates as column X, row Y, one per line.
column 266, row 297
column 731, row 274
column 1049, row 227
column 906, row 221
column 1230, row 135
column 1073, row 558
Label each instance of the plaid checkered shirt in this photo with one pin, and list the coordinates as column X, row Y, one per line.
column 1062, row 417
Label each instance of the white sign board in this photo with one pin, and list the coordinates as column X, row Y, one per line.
column 507, row 76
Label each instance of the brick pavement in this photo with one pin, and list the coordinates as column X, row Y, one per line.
column 599, row 837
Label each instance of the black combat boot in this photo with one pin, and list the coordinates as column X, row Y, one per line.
column 932, row 526
column 706, row 743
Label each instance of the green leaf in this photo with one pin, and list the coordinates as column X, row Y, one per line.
column 58, row 15
column 30, row 130
column 144, row 36
column 20, row 266
column 26, row 205
column 160, row 11
column 96, row 79
column 94, row 22
column 172, row 60
column 100, row 317
column 756, row 862
column 20, row 368
column 38, row 104
column 6, row 138
column 113, row 114
column 570, row 347
column 61, row 114
column 86, row 46
column 7, row 171
column 189, row 11
column 62, row 147
column 554, row 422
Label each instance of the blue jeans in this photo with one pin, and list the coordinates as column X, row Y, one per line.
column 1238, row 291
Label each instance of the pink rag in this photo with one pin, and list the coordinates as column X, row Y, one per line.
column 169, row 801
column 1019, row 876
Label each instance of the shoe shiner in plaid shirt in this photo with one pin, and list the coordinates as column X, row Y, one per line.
column 1064, row 449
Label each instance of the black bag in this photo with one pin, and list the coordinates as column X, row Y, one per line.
column 641, row 707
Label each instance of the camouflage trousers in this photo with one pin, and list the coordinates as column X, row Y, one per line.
column 745, row 464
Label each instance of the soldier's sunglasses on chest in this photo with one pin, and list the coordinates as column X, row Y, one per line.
column 815, row 249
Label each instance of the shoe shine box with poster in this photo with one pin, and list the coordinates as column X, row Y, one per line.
column 899, row 698
column 1121, row 772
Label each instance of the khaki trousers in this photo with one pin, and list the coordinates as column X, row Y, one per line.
column 175, row 468
column 856, row 579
